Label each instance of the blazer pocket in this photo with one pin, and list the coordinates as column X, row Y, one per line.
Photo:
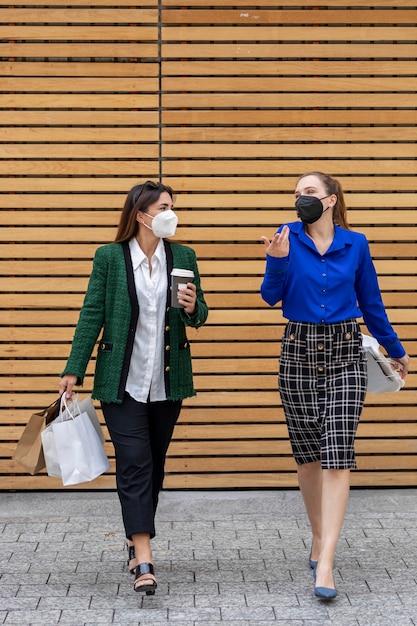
column 103, row 363
column 184, row 363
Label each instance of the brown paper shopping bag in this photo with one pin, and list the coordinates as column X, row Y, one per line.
column 29, row 452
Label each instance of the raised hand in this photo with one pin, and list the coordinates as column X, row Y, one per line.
column 279, row 246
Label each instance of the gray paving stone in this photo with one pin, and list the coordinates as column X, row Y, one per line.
column 14, row 603
column 27, row 590
column 48, row 618
column 79, row 617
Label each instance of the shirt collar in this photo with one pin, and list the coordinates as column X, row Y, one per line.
column 138, row 256
column 342, row 236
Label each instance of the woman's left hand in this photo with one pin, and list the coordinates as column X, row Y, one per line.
column 187, row 298
column 403, row 365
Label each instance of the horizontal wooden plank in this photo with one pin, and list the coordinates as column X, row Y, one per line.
column 111, row 205
column 270, row 398
column 242, row 416
column 207, row 134
column 257, row 434
column 306, row 100
column 284, row 183
column 235, row 300
column 210, row 366
column 282, row 116
column 81, row 101
column 74, row 68
column 297, row 16
column 286, row 84
column 86, row 14
column 257, row 151
column 289, row 134
column 241, row 166
column 282, row 206
column 192, row 183
column 81, row 135
column 217, row 284
column 208, row 250
column 186, row 451
column 84, row 85
column 291, row 3
column 49, row 357
column 277, row 24
column 198, row 3
column 210, row 267
column 391, row 462
column 228, row 431
column 256, row 32
column 35, row 50
column 196, row 233
column 92, row 3
column 239, row 480
column 282, row 461
column 92, row 32
column 277, row 480
column 213, row 382
column 288, row 50
column 79, row 118
column 47, row 483
column 80, row 151
column 204, row 399
column 73, row 167
column 374, row 68
column 282, row 464
column 305, row 67
column 239, row 464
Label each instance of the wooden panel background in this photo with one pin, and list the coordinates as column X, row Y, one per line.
column 229, row 105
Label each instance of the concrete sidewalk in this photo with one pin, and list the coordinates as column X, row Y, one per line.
column 238, row 558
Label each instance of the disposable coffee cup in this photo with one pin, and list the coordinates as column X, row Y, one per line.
column 179, row 280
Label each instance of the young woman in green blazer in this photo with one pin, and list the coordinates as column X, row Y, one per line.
column 143, row 367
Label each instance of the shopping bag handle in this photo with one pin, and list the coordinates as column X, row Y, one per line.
column 64, row 407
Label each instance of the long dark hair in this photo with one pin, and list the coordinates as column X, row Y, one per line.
column 333, row 186
column 139, row 198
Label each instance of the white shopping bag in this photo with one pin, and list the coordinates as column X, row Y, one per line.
column 381, row 377
column 78, row 448
column 50, row 453
column 87, row 405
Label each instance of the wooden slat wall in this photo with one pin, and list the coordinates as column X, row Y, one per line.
column 229, row 105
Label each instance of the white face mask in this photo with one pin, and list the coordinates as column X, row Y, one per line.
column 164, row 224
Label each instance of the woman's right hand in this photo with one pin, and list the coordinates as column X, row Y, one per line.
column 66, row 384
column 280, row 245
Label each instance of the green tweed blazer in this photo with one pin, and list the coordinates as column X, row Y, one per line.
column 111, row 307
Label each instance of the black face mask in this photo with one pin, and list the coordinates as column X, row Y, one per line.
column 309, row 208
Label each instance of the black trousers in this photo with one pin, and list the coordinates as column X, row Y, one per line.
column 141, row 433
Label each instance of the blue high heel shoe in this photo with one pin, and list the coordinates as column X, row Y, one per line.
column 312, row 563
column 325, row 593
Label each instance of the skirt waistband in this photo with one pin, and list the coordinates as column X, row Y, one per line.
column 346, row 326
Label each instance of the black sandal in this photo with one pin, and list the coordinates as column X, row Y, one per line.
column 130, row 558
column 150, row 584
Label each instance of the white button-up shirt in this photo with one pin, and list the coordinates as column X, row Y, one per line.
column 145, row 379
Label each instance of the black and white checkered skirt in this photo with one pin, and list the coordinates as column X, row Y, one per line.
column 322, row 383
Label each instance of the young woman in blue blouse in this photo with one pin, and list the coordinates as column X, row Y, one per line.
column 323, row 274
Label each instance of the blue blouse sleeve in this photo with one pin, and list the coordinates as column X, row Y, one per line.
column 372, row 307
column 272, row 286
